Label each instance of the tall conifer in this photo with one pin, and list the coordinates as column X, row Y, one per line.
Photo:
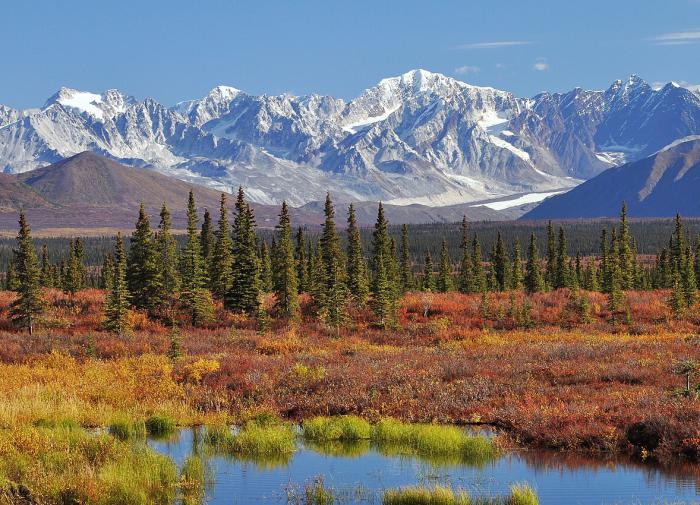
column 29, row 303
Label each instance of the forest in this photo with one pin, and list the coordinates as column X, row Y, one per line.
column 592, row 352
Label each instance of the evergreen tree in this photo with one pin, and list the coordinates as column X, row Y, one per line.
column 465, row 283
column 301, row 261
column 591, row 276
column 383, row 302
column 500, row 264
column 517, row 276
column 29, row 303
column 286, row 289
column 677, row 302
column 167, row 261
column 222, row 257
column 696, row 263
column 45, row 278
column 578, row 271
column 117, row 304
column 428, row 280
column 266, row 283
column 73, row 279
column 207, row 240
column 551, row 275
column 107, row 273
column 690, row 286
column 478, row 274
column 11, row 280
column 332, row 288
column 195, row 298
column 405, row 267
column 604, row 266
column 383, row 248
column 244, row 294
column 143, row 275
column 356, row 267
column 625, row 254
column 534, row 283
column 561, row 274
column 444, row 280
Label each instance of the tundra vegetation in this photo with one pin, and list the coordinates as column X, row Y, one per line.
column 593, row 354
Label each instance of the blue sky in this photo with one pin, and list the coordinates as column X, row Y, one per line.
column 175, row 50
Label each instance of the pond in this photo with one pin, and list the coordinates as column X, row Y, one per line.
column 359, row 473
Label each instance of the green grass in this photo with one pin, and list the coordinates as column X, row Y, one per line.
column 160, row 426
column 66, row 465
column 419, row 495
column 520, row 494
column 343, row 428
column 251, row 440
column 125, row 428
column 432, row 441
column 193, row 479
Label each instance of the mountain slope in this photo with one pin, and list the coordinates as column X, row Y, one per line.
column 661, row 185
column 420, row 137
column 90, row 180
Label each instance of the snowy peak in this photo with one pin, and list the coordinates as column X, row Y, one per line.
column 98, row 106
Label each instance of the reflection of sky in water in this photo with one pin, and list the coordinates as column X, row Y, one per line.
column 558, row 479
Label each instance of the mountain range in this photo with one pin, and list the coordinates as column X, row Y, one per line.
column 420, row 138
column 661, row 185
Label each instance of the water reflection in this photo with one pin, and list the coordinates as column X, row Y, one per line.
column 558, row 478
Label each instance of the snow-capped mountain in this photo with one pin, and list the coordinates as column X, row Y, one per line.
column 420, row 137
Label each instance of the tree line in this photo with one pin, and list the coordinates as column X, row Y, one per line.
column 230, row 262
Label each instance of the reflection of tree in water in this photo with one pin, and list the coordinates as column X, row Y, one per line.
column 540, row 461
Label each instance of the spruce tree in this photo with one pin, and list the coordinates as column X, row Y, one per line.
column 428, row 280
column 383, row 247
column 500, row 264
column 195, row 298
column 517, row 276
column 405, row 266
column 11, row 281
column 383, row 303
column 561, row 273
column 550, row 276
column 167, row 261
column 690, row 286
column 677, row 302
column 465, row 282
column 332, row 286
column 73, row 279
column 222, row 257
column 444, row 280
column 107, row 273
column 301, row 258
column 286, row 289
column 207, row 240
column 478, row 274
column 244, row 293
column 356, row 267
column 266, row 283
column 604, row 278
column 625, row 253
column 46, row 279
column 143, row 275
column 534, row 283
column 117, row 304
column 591, row 276
column 29, row 303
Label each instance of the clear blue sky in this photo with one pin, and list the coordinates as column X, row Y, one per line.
column 175, row 50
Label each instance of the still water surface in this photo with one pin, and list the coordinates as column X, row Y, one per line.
column 359, row 474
